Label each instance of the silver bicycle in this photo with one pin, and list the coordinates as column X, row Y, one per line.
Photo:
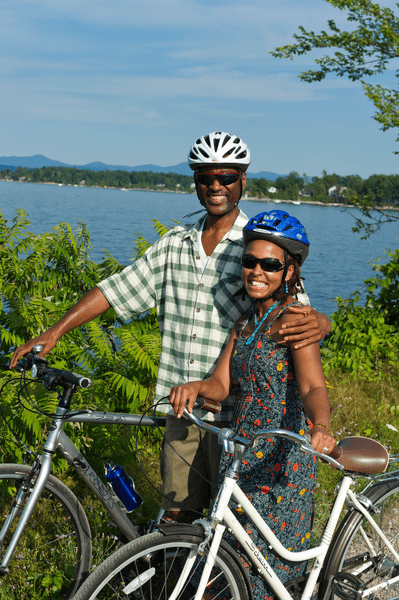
column 358, row 559
column 45, row 537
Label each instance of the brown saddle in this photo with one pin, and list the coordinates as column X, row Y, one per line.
column 361, row 455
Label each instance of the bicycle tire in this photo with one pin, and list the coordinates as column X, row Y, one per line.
column 54, row 554
column 162, row 557
column 349, row 552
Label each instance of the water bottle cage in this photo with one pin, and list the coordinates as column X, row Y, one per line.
column 122, row 487
column 116, row 499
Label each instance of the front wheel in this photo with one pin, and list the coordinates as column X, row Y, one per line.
column 150, row 567
column 360, row 554
column 54, row 554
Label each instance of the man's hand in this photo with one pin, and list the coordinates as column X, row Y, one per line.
column 46, row 340
column 310, row 327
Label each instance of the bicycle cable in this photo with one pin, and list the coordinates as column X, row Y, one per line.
column 164, row 439
column 13, row 433
column 34, row 407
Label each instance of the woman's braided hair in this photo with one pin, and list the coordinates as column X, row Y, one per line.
column 294, row 283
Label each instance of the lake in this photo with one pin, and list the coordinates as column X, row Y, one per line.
column 338, row 262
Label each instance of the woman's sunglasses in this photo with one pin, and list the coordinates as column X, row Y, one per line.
column 223, row 178
column 270, row 265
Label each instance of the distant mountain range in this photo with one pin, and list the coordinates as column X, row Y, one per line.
column 38, row 160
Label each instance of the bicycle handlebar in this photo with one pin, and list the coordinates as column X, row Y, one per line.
column 51, row 376
column 209, row 405
column 230, row 436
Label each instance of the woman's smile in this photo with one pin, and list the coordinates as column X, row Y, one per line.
column 256, row 283
column 259, row 283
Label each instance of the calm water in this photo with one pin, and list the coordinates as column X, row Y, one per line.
column 338, row 262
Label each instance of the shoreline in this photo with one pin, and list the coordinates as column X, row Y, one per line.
column 167, row 191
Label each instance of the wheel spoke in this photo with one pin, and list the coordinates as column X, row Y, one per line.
column 54, row 552
column 173, row 572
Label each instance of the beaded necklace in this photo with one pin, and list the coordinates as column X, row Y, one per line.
column 258, row 325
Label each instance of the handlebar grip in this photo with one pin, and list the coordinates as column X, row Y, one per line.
column 21, row 365
column 79, row 380
column 210, row 405
column 336, row 453
column 69, row 377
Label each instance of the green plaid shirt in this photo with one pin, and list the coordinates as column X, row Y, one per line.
column 196, row 310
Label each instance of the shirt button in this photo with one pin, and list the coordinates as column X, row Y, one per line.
column 197, row 310
column 191, row 361
column 201, row 285
column 197, row 257
column 194, row 335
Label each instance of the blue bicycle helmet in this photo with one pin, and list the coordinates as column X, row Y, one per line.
column 280, row 228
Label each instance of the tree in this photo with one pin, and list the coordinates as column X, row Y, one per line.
column 41, row 277
column 364, row 337
column 363, row 52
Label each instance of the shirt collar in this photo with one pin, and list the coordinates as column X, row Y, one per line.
column 234, row 234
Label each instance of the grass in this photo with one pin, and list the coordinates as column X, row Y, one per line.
column 365, row 408
column 359, row 408
column 38, row 566
column 106, row 537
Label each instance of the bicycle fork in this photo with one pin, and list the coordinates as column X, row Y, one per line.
column 38, row 487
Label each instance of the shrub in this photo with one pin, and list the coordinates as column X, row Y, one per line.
column 364, row 337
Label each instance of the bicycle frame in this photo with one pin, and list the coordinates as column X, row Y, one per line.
column 59, row 440
column 221, row 517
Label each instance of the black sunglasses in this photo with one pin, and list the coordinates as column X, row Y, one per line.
column 223, row 178
column 270, row 265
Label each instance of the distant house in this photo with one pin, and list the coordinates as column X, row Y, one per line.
column 336, row 191
column 306, row 193
column 272, row 190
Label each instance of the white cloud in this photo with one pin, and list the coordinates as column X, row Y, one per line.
column 113, row 97
column 153, row 64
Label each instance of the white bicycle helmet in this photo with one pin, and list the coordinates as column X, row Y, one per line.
column 219, row 147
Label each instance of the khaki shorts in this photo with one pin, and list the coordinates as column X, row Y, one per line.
column 184, row 487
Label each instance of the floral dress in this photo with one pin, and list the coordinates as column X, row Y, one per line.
column 276, row 476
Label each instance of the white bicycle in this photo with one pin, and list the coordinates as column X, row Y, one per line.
column 359, row 559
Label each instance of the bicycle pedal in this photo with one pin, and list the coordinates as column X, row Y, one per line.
column 296, row 586
column 347, row 586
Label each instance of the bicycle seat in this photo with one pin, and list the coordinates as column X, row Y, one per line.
column 361, row 455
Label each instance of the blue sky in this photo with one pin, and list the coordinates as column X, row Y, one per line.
column 136, row 81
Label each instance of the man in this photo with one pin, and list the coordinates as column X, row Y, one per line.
column 191, row 275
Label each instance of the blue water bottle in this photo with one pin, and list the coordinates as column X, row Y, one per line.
column 123, row 486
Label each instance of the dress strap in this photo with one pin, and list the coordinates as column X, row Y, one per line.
column 280, row 312
column 244, row 324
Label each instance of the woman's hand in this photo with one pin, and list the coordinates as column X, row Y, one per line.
column 310, row 327
column 184, row 396
column 322, row 440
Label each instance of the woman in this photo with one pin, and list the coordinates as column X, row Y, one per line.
column 280, row 387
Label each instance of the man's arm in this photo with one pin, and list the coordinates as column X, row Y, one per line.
column 92, row 305
column 310, row 327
